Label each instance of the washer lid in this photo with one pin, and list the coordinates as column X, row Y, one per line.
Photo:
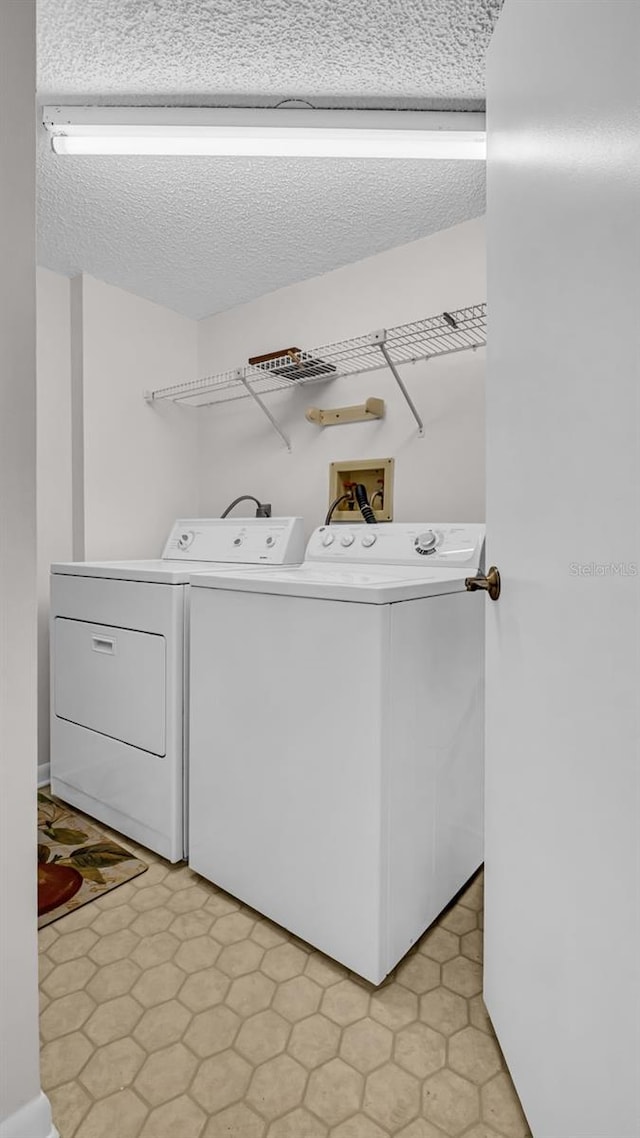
column 365, row 584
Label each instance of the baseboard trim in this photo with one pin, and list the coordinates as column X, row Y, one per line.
column 33, row 1120
column 44, row 774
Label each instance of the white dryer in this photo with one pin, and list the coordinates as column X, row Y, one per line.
column 350, row 809
column 119, row 672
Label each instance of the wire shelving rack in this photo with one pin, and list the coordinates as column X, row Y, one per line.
column 460, row 330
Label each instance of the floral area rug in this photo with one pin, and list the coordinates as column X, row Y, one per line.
column 77, row 860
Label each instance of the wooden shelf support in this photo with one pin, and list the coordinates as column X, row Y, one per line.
column 358, row 413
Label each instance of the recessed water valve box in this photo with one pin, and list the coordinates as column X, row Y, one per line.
column 376, row 474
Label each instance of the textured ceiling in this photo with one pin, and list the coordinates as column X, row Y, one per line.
column 201, row 235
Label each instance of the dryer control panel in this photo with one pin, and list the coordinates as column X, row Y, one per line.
column 438, row 545
column 238, row 541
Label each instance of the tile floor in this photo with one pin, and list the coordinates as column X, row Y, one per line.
column 170, row 1010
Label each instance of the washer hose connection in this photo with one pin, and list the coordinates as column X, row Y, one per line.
column 362, row 498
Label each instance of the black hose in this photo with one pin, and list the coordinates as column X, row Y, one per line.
column 263, row 510
column 362, row 499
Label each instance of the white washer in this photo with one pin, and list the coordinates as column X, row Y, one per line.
column 349, row 810
column 119, row 675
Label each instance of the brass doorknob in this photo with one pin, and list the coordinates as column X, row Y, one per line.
column 490, row 583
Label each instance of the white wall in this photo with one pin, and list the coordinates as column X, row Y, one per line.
column 54, row 508
column 440, row 476
column 24, row 1111
column 562, row 955
column 140, row 471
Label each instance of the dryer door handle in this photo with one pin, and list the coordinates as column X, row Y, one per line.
column 106, row 644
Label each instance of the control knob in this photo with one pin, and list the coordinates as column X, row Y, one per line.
column 347, row 539
column 369, row 539
column 328, row 539
column 186, row 539
column 425, row 542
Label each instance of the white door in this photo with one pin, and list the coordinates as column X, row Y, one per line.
column 563, row 516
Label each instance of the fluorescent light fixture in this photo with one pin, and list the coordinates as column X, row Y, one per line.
column 283, row 132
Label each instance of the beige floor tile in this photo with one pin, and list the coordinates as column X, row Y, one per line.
column 184, row 901
column 213, row 1031
column 220, row 905
column 358, row 1126
column 67, row 1014
column 458, row 920
column 475, row 1055
column 204, row 989
column 149, row 897
column 394, row 1006
column 297, row 1124
column 277, row 1087
column 314, row 1041
column 420, row 1050
column 481, row 1130
column 462, row 976
column 68, row 977
column 297, row 998
column 154, row 949
column 236, row 1122
column 113, row 980
column 262, row 1037
column 166, row 1074
column 174, row 1010
column 115, row 946
column 63, row 1059
column 479, row 1015
column 196, row 954
column 112, row 1020
column 114, row 920
column 392, row 1096
column 158, row 984
column 195, row 923
column 153, row 921
column 232, row 927
column 240, row 958
column 251, row 994
column 501, row 1109
column 180, row 1118
column 440, row 944
column 161, row 1025
column 334, row 1091
column 267, row 934
column 284, row 962
column 69, row 1104
column 221, row 1081
column 46, row 937
column 472, row 945
column 112, row 1067
column 420, row 1128
column 73, row 945
column 444, row 1011
column 345, row 1002
column 366, row 1045
column 419, row 974
column 451, row 1102
column 121, row 1114
column 323, row 970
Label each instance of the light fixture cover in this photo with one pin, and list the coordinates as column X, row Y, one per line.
column 266, row 132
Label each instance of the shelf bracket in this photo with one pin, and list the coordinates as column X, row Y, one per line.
column 241, row 374
column 380, row 338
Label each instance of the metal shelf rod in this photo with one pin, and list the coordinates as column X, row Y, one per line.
column 401, row 384
column 263, row 407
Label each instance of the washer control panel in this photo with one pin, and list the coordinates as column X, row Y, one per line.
column 436, row 544
column 246, row 541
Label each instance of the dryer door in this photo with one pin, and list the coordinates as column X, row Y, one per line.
column 111, row 680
